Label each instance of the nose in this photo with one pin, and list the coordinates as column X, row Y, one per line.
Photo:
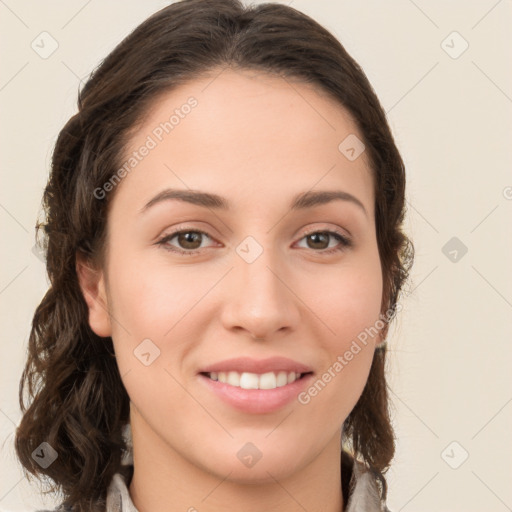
column 259, row 299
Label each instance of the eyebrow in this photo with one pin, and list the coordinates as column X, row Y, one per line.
column 301, row 201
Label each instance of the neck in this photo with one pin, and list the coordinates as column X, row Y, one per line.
column 165, row 481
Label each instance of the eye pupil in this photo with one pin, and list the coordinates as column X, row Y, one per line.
column 317, row 238
column 189, row 237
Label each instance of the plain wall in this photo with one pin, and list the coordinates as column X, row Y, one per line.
column 450, row 351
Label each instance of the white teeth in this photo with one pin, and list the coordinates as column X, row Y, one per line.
column 246, row 380
column 249, row 381
column 268, row 381
column 233, row 379
column 282, row 379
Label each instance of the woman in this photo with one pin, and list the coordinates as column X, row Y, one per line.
column 225, row 251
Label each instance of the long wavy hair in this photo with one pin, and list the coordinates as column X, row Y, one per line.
column 71, row 393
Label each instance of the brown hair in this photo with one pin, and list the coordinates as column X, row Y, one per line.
column 77, row 402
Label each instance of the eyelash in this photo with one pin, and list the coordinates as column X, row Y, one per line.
column 345, row 242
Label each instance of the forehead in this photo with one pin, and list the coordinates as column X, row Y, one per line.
column 248, row 135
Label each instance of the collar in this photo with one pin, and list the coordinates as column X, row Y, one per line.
column 363, row 491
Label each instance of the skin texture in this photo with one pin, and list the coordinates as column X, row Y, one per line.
column 257, row 140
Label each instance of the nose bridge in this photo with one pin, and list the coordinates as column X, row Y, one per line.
column 260, row 301
column 261, row 274
column 258, row 272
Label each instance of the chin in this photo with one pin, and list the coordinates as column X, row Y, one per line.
column 246, row 463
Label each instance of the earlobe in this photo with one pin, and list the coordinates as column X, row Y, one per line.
column 381, row 344
column 381, row 337
column 92, row 285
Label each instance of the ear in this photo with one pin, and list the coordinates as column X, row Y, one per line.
column 380, row 338
column 92, row 284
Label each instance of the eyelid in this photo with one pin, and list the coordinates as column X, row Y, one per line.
column 336, row 231
column 344, row 238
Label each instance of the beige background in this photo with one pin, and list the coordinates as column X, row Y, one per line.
column 451, row 350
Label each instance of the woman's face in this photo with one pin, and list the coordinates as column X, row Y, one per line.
column 253, row 285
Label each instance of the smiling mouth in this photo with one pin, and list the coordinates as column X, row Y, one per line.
column 248, row 380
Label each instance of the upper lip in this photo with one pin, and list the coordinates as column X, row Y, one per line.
column 247, row 364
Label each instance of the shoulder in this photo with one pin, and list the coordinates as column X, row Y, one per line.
column 118, row 498
column 366, row 488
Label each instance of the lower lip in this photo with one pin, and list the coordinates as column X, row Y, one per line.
column 257, row 401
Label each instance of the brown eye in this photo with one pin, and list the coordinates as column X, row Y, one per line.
column 320, row 241
column 187, row 241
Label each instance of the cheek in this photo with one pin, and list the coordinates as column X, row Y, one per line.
column 348, row 300
column 150, row 299
column 348, row 305
column 156, row 302
column 140, row 310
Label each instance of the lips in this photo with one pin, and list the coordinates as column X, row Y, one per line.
column 256, row 386
column 259, row 366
